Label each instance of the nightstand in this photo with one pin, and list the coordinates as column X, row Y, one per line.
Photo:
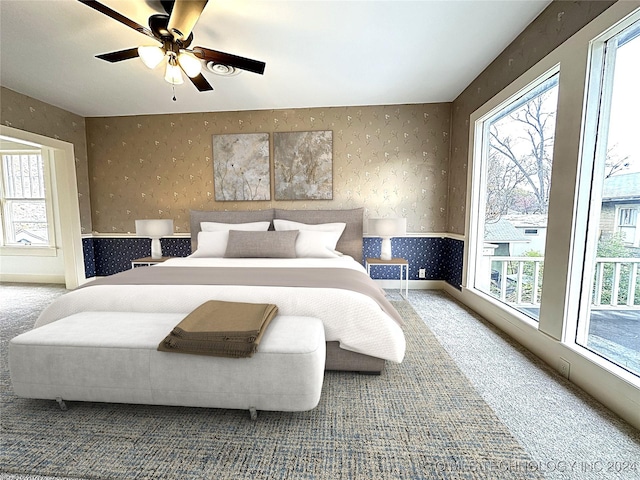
column 400, row 262
column 147, row 261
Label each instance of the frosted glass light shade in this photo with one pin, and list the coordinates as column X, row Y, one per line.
column 173, row 75
column 189, row 63
column 387, row 228
column 154, row 229
column 151, row 56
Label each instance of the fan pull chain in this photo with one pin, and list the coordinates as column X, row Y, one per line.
column 173, row 87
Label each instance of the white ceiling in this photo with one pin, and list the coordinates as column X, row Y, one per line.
column 318, row 53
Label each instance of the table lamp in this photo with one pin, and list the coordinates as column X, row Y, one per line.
column 154, row 229
column 387, row 228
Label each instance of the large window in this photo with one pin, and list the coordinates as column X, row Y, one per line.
column 588, row 307
column 515, row 170
column 609, row 320
column 23, row 199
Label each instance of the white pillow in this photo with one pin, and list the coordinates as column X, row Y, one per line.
column 315, row 241
column 310, row 244
column 211, row 244
column 248, row 227
column 337, row 227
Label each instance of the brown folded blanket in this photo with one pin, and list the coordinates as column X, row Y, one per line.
column 217, row 328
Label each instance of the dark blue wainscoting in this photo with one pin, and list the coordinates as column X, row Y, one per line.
column 106, row 256
column 452, row 262
column 440, row 257
column 89, row 257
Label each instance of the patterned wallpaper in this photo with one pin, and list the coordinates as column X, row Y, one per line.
column 26, row 113
column 559, row 21
column 392, row 160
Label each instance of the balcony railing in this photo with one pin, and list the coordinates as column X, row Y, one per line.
column 616, row 282
column 518, row 280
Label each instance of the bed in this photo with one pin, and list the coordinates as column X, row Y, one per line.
column 362, row 329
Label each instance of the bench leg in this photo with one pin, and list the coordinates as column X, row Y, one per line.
column 253, row 413
column 63, row 406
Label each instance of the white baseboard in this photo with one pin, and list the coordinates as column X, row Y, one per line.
column 413, row 284
column 31, row 278
column 453, row 291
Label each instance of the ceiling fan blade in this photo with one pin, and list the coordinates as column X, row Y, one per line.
column 120, row 55
column 117, row 16
column 201, row 83
column 167, row 5
column 184, row 16
column 242, row 63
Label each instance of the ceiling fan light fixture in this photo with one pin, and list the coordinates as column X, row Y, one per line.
column 151, row 56
column 173, row 75
column 189, row 63
column 174, row 33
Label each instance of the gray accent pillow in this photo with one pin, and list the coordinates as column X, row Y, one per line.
column 243, row 244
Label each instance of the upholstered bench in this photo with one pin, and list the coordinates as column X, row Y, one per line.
column 113, row 357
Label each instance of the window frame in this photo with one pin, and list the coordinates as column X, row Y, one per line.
column 523, row 88
column 11, row 248
column 593, row 154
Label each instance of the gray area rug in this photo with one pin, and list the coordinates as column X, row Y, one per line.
column 419, row 419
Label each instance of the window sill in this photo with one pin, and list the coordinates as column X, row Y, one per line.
column 508, row 313
column 28, row 250
column 605, row 364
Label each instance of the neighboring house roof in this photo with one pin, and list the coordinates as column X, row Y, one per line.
column 29, row 236
column 525, row 221
column 503, row 231
column 621, row 188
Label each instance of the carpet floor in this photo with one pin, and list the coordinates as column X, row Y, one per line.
column 419, row 419
column 569, row 434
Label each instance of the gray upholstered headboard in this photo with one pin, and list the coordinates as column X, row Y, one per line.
column 350, row 242
column 198, row 216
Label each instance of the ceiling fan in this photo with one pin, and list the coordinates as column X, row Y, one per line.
column 174, row 32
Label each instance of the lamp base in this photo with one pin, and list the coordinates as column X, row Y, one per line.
column 156, row 249
column 385, row 249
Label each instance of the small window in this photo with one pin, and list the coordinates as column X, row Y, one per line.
column 627, row 224
column 530, row 231
column 628, row 217
column 23, row 199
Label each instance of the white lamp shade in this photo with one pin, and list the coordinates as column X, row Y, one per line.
column 387, row 227
column 173, row 75
column 151, row 56
column 189, row 63
column 154, row 228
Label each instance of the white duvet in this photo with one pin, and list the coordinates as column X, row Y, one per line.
column 354, row 320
